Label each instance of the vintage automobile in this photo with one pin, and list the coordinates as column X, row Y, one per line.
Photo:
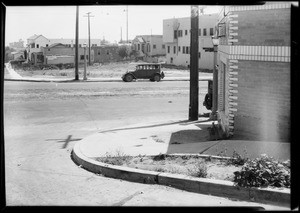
column 151, row 71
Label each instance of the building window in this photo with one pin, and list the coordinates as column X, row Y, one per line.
column 178, row 48
column 168, row 49
column 179, row 33
column 171, row 60
column 174, row 48
column 187, row 50
column 99, row 51
column 37, row 46
column 175, row 34
column 199, row 55
column 211, row 31
column 154, row 46
column 81, row 57
column 185, row 32
column 163, row 46
column 139, row 46
column 199, row 34
column 204, row 32
column 183, row 49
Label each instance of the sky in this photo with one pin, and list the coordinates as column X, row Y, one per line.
column 55, row 22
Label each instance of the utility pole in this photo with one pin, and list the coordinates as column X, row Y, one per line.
column 88, row 15
column 121, row 36
column 194, row 64
column 76, row 45
column 84, row 70
column 127, row 23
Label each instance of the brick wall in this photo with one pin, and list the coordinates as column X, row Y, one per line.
column 264, row 27
column 104, row 57
column 263, row 101
column 59, row 51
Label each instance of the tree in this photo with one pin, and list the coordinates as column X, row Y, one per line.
column 8, row 55
column 123, row 51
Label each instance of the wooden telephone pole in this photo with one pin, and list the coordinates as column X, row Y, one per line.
column 89, row 31
column 76, row 45
column 194, row 64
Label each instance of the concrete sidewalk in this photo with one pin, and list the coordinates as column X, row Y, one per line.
column 172, row 137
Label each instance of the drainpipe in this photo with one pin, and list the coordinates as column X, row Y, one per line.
column 213, row 115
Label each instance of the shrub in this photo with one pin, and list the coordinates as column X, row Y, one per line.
column 159, row 157
column 118, row 159
column 263, row 172
column 198, row 170
column 237, row 159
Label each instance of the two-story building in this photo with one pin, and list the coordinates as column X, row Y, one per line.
column 149, row 47
column 254, row 71
column 176, row 37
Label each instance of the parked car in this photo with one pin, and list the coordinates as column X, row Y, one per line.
column 151, row 71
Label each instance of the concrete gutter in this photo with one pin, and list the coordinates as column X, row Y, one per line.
column 198, row 185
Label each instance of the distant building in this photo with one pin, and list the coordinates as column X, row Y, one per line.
column 17, row 55
column 176, row 37
column 35, row 43
column 106, row 53
column 63, row 54
column 254, row 71
column 149, row 46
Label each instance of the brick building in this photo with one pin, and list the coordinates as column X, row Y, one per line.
column 254, row 71
column 106, row 53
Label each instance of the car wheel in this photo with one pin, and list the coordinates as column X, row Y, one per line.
column 156, row 78
column 128, row 78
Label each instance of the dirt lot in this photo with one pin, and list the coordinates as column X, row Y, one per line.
column 111, row 70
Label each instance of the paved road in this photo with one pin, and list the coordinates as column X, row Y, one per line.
column 43, row 121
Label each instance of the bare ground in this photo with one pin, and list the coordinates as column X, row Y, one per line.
column 187, row 165
column 110, row 70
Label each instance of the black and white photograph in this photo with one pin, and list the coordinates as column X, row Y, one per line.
column 124, row 105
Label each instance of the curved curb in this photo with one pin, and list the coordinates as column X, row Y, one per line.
column 213, row 187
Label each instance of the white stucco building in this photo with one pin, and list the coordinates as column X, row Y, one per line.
column 176, row 37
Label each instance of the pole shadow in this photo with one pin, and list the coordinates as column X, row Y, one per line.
column 65, row 141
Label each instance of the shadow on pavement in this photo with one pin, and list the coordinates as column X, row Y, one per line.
column 204, row 138
column 143, row 127
column 65, row 141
